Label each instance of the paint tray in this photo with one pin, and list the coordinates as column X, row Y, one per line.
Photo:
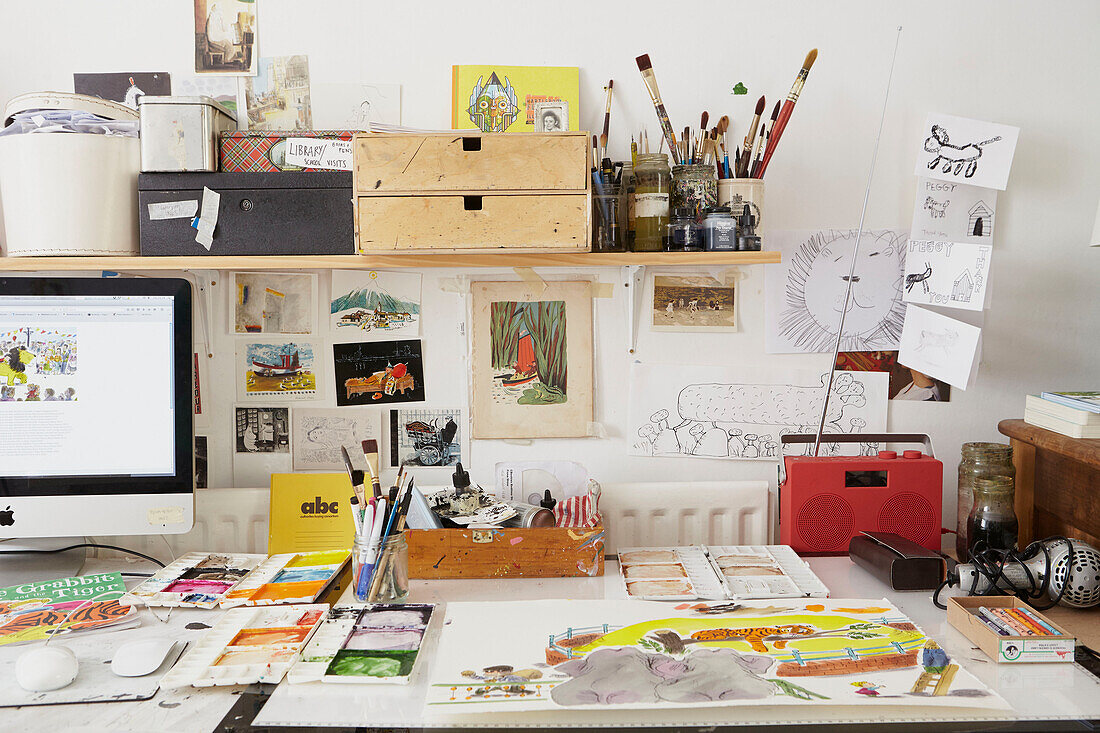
column 764, row 571
column 288, row 578
column 197, row 579
column 668, row 574
column 365, row 643
column 248, row 645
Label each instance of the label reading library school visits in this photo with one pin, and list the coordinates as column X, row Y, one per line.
column 312, row 153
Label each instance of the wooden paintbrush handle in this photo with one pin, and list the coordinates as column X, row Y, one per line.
column 777, row 132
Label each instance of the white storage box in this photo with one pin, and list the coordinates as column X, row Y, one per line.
column 67, row 193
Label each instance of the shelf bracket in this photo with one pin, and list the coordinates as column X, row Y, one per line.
column 633, row 277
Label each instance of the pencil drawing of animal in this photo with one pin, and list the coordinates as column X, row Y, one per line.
column 938, row 340
column 964, row 158
column 937, row 209
column 919, row 277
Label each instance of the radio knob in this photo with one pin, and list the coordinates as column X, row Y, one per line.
column 912, row 454
column 887, row 455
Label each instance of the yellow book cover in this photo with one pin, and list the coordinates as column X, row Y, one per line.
column 515, row 98
column 310, row 512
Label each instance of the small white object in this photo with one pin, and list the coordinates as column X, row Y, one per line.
column 1095, row 239
column 208, row 217
column 142, row 657
column 173, row 210
column 320, row 153
column 45, row 668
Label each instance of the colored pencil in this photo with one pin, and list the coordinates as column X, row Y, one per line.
column 1018, row 628
column 650, row 79
column 1031, row 623
column 1039, row 620
column 788, row 108
column 988, row 615
column 991, row 623
column 746, row 156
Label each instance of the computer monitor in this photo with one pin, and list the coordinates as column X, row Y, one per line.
column 96, row 428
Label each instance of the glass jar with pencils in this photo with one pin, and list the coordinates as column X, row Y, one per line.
column 608, row 218
column 979, row 461
column 652, row 181
column 380, row 574
column 992, row 519
column 694, row 187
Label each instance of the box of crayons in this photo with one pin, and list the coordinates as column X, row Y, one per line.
column 1009, row 630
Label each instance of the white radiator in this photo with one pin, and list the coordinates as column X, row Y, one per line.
column 635, row 514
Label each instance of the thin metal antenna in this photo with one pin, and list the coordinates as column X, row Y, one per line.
column 855, row 251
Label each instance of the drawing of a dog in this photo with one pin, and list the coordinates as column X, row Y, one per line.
column 937, row 208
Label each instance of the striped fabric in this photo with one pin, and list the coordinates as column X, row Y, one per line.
column 580, row 511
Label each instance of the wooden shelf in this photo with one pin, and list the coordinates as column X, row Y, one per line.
column 381, row 262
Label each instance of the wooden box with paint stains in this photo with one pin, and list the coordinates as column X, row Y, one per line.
column 544, row 552
column 472, row 192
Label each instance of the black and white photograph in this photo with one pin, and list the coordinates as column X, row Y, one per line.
column 263, row 430
column 551, row 116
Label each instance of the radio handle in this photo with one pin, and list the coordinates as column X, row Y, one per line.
column 801, row 438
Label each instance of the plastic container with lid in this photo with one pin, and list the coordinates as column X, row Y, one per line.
column 181, row 133
column 69, row 193
column 720, row 231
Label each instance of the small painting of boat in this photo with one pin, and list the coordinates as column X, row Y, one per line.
column 289, row 366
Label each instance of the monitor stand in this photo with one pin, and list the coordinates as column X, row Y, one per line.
column 26, row 567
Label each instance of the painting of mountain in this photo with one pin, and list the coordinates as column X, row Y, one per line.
column 372, row 304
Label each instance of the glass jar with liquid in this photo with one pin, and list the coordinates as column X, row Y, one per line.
column 652, row 181
column 992, row 519
column 979, row 461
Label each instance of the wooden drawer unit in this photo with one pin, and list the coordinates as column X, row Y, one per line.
column 472, row 192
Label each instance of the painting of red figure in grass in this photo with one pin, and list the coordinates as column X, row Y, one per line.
column 529, row 361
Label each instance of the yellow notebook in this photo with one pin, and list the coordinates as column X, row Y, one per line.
column 310, row 512
column 515, row 98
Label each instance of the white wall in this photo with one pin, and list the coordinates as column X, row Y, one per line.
column 1019, row 63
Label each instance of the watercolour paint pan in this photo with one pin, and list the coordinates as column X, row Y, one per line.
column 764, row 571
column 197, row 580
column 668, row 574
column 247, row 646
column 288, row 578
column 365, row 644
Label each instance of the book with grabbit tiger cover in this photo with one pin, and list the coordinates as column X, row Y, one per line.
column 515, row 98
column 34, row 611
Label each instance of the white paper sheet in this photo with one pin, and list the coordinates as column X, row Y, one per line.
column 953, row 212
column 368, row 304
column 339, row 106
column 950, row 274
column 940, row 347
column 527, row 480
column 740, row 413
column 967, row 151
column 318, row 433
column 803, row 295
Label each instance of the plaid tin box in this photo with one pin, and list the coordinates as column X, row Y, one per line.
column 262, row 151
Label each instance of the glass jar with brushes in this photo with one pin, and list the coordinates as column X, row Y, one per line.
column 608, row 218
column 695, row 187
column 652, row 182
column 386, row 579
column 979, row 461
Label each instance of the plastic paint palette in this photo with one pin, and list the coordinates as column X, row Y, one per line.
column 197, row 579
column 668, row 574
column 288, row 578
column 248, row 645
column 365, row 643
column 764, row 571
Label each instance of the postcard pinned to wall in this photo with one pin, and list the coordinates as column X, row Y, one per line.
column 531, row 359
column 319, row 433
column 277, row 98
column 905, row 383
column 954, row 212
column 222, row 89
column 378, row 372
column 273, row 302
column 962, row 150
column 951, row 274
column 126, row 87
column 681, row 410
column 375, row 303
column 693, row 303
column 273, row 370
column 422, row 436
column 225, row 37
column 262, row 444
column 339, row 106
column 804, row 295
column 940, row 347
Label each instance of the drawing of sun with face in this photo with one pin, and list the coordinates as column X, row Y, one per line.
column 818, row 278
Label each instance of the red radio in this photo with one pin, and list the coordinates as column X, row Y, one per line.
column 827, row 500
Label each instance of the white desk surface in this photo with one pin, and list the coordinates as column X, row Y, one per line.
column 1036, row 691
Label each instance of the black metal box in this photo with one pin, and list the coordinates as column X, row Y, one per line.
column 286, row 213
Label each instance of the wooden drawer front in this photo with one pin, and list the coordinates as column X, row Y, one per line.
column 522, row 162
column 555, row 552
column 558, row 222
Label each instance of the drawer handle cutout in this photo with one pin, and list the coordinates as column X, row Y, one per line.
column 471, row 144
column 471, row 203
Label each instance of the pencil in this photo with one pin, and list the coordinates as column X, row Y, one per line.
column 1030, row 623
column 1039, row 620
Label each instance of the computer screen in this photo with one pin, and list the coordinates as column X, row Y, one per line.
column 95, row 389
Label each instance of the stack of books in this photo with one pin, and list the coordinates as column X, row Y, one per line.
column 1076, row 414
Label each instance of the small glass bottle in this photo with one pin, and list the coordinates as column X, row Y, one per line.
column 992, row 519
column 719, row 231
column 684, row 232
column 694, row 187
column 652, row 180
column 609, row 218
column 979, row 461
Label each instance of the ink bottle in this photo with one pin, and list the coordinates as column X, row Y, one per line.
column 684, row 232
column 719, row 231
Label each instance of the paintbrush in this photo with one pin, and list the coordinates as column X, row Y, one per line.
column 356, row 477
column 746, row 151
column 703, row 119
column 788, row 108
column 607, row 116
column 757, row 152
column 370, row 452
column 650, row 79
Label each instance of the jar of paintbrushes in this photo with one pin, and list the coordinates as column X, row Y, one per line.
column 694, row 187
column 380, row 570
column 652, row 182
column 609, row 218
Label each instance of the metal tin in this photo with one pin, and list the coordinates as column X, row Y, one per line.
column 529, row 515
column 181, row 133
